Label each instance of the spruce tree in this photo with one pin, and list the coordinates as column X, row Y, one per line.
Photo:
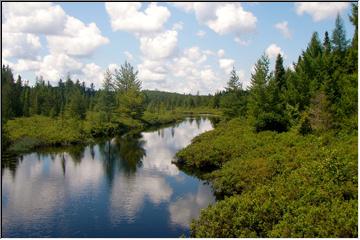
column 234, row 83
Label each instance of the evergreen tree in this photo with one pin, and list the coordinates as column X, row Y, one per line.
column 128, row 87
column 234, row 83
column 339, row 40
column 259, row 79
column 126, row 78
column 106, row 102
column 327, row 44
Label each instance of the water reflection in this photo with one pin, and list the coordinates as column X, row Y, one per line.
column 114, row 188
column 184, row 209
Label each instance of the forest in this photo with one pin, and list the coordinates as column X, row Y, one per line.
column 71, row 112
column 282, row 161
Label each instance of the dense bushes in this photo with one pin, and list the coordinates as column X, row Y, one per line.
column 276, row 185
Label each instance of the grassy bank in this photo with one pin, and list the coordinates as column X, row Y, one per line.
column 27, row 133
column 276, row 185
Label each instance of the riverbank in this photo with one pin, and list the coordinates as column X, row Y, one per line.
column 275, row 184
column 28, row 133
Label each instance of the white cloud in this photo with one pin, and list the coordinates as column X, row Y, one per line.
column 33, row 18
column 159, row 46
column 201, row 33
column 183, row 210
column 186, row 6
column 112, row 67
column 284, row 29
column 22, row 45
column 77, row 39
column 221, row 53
column 178, row 26
column 241, row 42
column 54, row 67
column 92, row 73
column 24, row 65
column 195, row 54
column 128, row 17
column 320, row 10
column 67, row 37
column 232, row 18
column 150, row 70
column 226, row 64
column 273, row 50
column 222, row 18
column 128, row 55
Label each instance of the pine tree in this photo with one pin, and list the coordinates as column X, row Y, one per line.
column 339, row 40
column 234, row 83
column 128, row 88
column 126, row 78
column 106, row 102
column 327, row 44
column 258, row 101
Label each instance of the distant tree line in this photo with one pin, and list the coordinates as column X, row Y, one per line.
column 120, row 94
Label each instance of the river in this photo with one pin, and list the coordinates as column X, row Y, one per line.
column 120, row 187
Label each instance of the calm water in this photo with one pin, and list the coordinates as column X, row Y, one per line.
column 123, row 187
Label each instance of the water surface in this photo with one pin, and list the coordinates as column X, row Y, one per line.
column 120, row 187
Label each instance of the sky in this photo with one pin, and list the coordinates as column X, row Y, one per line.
column 179, row 47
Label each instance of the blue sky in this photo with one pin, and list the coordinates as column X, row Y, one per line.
column 185, row 47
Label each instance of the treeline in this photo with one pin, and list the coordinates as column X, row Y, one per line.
column 74, row 99
column 71, row 112
column 159, row 101
column 319, row 92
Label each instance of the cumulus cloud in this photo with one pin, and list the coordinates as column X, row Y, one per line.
column 128, row 17
column 35, row 18
column 21, row 45
column 222, row 18
column 273, row 50
column 23, row 65
column 178, row 26
column 226, row 64
column 128, row 55
column 159, row 46
column 67, row 37
column 150, row 70
column 195, row 54
column 320, row 10
column 241, row 42
column 186, row 6
column 92, row 73
column 221, row 53
column 53, row 67
column 284, row 29
column 232, row 18
column 78, row 39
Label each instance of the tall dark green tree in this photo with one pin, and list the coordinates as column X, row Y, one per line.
column 129, row 95
column 234, row 83
column 338, row 39
column 106, row 103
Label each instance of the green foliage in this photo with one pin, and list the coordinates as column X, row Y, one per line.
column 339, row 40
column 29, row 132
column 276, row 185
column 125, row 78
column 305, row 125
column 234, row 83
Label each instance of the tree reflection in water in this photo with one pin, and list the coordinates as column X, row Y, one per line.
column 124, row 153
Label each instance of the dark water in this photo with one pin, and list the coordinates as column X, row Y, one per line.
column 123, row 187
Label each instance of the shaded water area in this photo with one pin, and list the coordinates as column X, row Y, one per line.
column 120, row 187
